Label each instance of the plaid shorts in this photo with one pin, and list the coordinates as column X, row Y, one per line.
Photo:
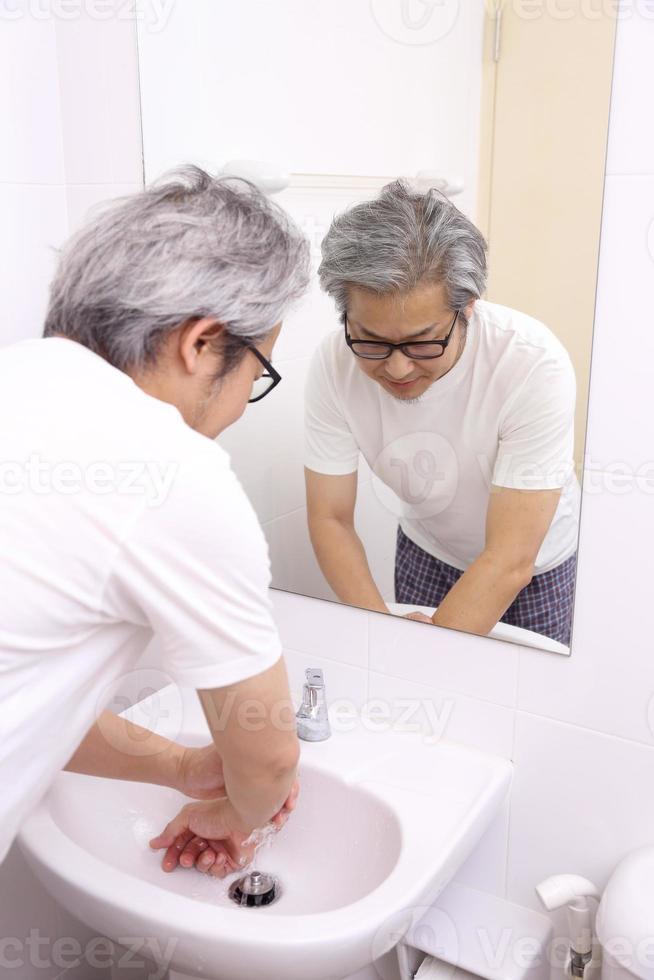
column 544, row 606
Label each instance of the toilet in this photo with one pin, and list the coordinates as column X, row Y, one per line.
column 625, row 919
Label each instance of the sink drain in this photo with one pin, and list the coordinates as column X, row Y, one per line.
column 255, row 889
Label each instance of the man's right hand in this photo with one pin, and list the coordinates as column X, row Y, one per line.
column 418, row 617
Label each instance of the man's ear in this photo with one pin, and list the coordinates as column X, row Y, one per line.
column 469, row 308
column 196, row 339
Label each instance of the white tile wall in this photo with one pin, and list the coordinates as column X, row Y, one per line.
column 30, row 110
column 607, row 685
column 445, row 714
column 323, row 629
column 34, row 224
column 81, row 199
column 580, row 802
column 620, row 418
column 456, row 661
column 98, row 72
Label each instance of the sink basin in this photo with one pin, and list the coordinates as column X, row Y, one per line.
column 337, row 852
column 501, row 631
column 382, row 824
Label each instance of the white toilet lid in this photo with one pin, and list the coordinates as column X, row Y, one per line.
column 625, row 918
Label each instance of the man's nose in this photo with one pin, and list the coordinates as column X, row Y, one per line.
column 398, row 366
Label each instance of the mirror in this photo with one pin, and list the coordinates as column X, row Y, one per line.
column 446, row 162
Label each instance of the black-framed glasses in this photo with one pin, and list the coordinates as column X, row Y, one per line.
column 416, row 350
column 268, row 380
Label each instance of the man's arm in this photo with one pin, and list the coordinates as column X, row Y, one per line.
column 254, row 729
column 338, row 548
column 516, row 524
column 118, row 749
column 115, row 748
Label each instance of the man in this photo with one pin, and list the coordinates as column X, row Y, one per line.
column 120, row 517
column 464, row 411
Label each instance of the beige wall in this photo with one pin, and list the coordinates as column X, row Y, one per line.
column 544, row 132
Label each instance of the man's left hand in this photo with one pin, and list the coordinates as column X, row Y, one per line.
column 200, row 776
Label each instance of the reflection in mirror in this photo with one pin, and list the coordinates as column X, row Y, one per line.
column 422, row 454
column 464, row 412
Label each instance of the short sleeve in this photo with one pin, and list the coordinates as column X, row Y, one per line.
column 330, row 447
column 195, row 570
column 536, row 439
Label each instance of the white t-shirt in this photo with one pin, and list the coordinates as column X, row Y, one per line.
column 117, row 522
column 504, row 414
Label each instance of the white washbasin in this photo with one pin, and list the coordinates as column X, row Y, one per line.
column 383, row 822
column 501, row 631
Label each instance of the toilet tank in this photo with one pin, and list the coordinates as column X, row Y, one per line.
column 625, row 919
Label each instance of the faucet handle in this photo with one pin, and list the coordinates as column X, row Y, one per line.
column 312, row 715
column 314, row 677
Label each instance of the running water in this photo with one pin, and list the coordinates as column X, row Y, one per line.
column 260, row 837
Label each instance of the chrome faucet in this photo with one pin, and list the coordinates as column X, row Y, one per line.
column 312, row 719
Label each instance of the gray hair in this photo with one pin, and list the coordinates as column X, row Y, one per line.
column 190, row 246
column 400, row 240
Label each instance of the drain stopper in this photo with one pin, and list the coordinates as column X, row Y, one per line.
column 254, row 889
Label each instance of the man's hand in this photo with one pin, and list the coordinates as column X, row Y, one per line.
column 419, row 617
column 201, row 836
column 516, row 524
column 192, row 829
